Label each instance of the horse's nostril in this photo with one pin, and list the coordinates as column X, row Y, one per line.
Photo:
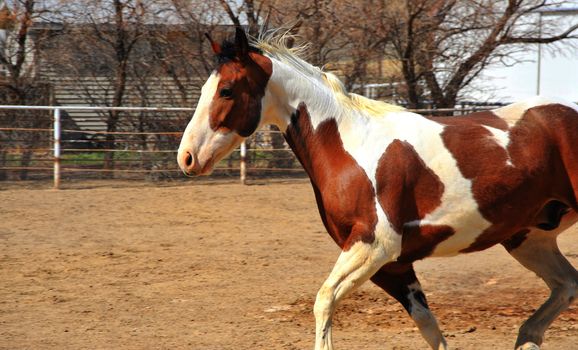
column 188, row 159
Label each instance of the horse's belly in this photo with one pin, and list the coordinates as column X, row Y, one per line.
column 424, row 238
column 475, row 235
column 465, row 227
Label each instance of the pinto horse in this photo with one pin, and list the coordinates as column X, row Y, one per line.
column 393, row 187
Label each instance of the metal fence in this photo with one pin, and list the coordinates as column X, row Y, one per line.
column 43, row 142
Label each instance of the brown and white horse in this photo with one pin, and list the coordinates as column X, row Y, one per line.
column 394, row 187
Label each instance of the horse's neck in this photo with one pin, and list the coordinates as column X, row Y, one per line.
column 290, row 88
column 316, row 126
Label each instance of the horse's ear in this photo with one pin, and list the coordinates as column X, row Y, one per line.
column 241, row 43
column 216, row 47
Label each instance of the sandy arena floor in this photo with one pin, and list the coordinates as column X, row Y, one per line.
column 226, row 266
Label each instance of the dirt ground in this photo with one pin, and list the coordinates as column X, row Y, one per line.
column 225, row 266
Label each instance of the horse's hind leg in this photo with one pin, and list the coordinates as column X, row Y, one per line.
column 399, row 281
column 539, row 253
column 353, row 268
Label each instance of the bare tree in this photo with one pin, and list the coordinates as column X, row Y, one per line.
column 436, row 48
column 20, row 38
column 101, row 37
column 137, row 52
column 176, row 42
column 444, row 45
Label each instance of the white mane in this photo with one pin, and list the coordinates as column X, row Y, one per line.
column 274, row 45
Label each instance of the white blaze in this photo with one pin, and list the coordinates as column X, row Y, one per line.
column 206, row 146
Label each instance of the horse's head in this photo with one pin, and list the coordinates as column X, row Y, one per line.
column 230, row 106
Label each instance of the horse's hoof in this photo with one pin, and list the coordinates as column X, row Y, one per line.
column 528, row 346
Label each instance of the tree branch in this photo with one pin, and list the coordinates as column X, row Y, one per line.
column 531, row 40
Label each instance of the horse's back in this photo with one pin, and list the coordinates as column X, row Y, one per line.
column 530, row 136
column 545, row 134
column 520, row 162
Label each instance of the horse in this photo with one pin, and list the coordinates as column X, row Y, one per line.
column 393, row 187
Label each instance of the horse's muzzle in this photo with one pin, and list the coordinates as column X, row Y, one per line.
column 188, row 163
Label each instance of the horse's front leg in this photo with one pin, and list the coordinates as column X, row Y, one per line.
column 353, row 268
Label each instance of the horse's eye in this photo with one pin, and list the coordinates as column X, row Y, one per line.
column 226, row 92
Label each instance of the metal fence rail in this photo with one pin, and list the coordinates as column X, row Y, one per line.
column 49, row 157
column 37, row 143
column 69, row 153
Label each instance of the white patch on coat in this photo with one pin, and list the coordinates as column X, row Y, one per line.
column 366, row 139
column 513, row 112
column 385, row 235
column 287, row 89
column 502, row 138
column 353, row 267
column 425, row 320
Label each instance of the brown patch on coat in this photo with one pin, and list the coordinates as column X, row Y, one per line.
column 486, row 118
column 344, row 193
column 562, row 123
column 515, row 197
column 246, row 78
column 407, row 191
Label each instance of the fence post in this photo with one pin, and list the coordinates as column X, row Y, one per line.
column 57, row 133
column 243, row 165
